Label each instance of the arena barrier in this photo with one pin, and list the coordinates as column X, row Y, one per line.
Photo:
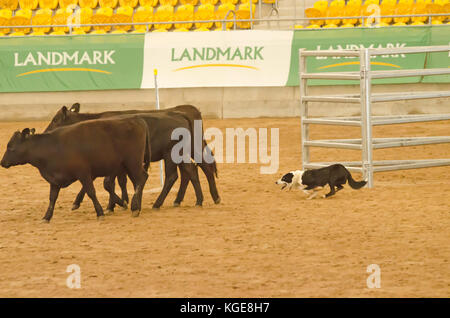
column 367, row 166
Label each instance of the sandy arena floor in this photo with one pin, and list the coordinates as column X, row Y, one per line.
column 259, row 242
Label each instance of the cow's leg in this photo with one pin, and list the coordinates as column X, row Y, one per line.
column 183, row 186
column 138, row 176
column 192, row 172
column 171, row 174
column 332, row 190
column 109, row 185
column 54, row 191
column 122, row 179
column 210, row 170
column 78, row 199
column 88, row 186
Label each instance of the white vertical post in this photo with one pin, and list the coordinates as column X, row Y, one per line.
column 303, row 108
column 155, row 71
column 366, row 124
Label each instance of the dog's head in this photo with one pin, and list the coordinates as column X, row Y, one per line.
column 291, row 180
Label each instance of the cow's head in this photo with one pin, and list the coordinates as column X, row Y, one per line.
column 64, row 117
column 17, row 149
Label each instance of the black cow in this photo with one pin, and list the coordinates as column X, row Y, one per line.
column 84, row 151
column 68, row 117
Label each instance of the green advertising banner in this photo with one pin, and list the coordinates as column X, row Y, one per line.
column 356, row 38
column 439, row 36
column 90, row 62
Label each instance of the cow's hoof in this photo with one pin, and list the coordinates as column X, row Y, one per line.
column 45, row 221
column 101, row 218
column 155, row 208
column 199, row 205
column 217, row 201
column 109, row 212
column 75, row 206
column 135, row 214
column 176, row 204
column 125, row 205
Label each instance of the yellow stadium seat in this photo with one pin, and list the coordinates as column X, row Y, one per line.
column 160, row 30
column 402, row 9
column 352, row 9
column 424, row 1
column 172, row 3
column 84, row 16
column 146, row 3
column 191, row 2
column 313, row 26
column 213, row 2
column 407, row 2
column 58, row 32
column 68, row 3
column 181, row 30
column 382, row 24
column 417, row 23
column 128, row 3
column 17, row 34
column 399, row 24
column 419, row 8
column 28, row 4
column 118, row 32
column 143, row 15
column 221, row 12
column 222, row 1
column 79, row 31
column 22, row 17
column 101, row 16
column 88, row 3
column 9, row 4
column 447, row 9
column 122, row 15
column 37, row 33
column 347, row 25
column 99, row 31
column 330, row 25
column 368, row 9
column 108, row 3
column 314, row 13
column 337, row 3
column 42, row 17
column 321, row 5
column 204, row 12
column 184, row 12
column 201, row 29
column 435, row 22
column 5, row 16
column 333, row 12
column 392, row 3
column 243, row 12
column 48, row 4
column 163, row 14
column 298, row 27
column 61, row 17
column 434, row 8
column 387, row 9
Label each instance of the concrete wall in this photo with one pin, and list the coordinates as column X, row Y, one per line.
column 216, row 102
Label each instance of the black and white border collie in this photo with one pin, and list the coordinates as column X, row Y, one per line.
column 312, row 180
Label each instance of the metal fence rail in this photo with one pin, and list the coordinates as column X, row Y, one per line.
column 366, row 121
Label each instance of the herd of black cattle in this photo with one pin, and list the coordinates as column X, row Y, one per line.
column 77, row 146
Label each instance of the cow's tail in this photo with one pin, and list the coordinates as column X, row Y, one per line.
column 148, row 150
column 354, row 184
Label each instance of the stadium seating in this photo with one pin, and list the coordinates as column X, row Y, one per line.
column 60, row 12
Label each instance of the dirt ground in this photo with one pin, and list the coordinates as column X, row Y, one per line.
column 259, row 242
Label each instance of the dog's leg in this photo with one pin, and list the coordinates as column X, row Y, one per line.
column 332, row 191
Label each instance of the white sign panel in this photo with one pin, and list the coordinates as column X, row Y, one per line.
column 217, row 58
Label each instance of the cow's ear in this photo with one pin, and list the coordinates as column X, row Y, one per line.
column 32, row 131
column 64, row 111
column 25, row 133
column 75, row 108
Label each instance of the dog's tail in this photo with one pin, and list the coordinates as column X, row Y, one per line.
column 355, row 184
